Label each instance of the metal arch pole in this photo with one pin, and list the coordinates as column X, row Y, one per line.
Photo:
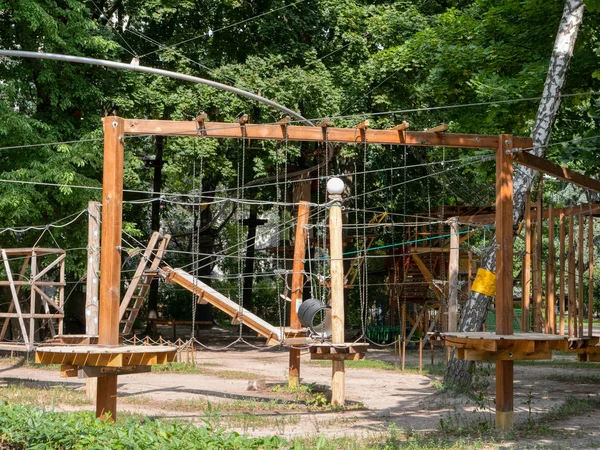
column 153, row 71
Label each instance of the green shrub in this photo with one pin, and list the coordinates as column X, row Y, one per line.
column 32, row 428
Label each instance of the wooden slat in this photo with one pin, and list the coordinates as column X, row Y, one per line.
column 49, row 267
column 561, row 276
column 15, row 297
column 526, row 284
column 17, row 288
column 571, row 279
column 551, row 277
column 557, row 171
column 591, row 275
column 538, row 263
column 580, row 221
column 304, row 133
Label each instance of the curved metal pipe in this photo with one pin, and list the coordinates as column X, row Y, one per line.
column 153, row 71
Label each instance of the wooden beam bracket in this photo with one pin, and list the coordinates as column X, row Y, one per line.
column 200, row 128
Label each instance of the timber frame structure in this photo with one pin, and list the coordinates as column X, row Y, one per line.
column 508, row 149
column 45, row 291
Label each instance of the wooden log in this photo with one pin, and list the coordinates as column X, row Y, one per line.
column 401, row 127
column 32, row 296
column 337, row 296
column 504, row 278
column 92, row 284
column 453, row 266
column 437, row 129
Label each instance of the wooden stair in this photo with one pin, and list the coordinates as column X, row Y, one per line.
column 147, row 270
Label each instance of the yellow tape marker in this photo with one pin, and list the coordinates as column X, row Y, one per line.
column 485, row 282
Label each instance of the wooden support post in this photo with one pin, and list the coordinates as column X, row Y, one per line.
column 580, row 220
column 403, row 353
column 15, row 298
column 504, row 279
column 561, row 281
column 420, row 355
column 551, row 277
column 537, row 273
column 110, row 262
column 526, row 297
column 335, row 188
column 590, row 275
column 298, row 277
column 32, row 298
column 92, row 285
column 571, row 278
column 453, row 264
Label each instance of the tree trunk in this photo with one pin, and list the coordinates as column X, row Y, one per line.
column 458, row 374
column 155, row 225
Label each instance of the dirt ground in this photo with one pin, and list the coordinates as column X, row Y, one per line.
column 378, row 397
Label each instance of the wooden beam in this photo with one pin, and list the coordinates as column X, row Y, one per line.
column 438, row 129
column 453, row 264
column 92, row 284
column 110, row 259
column 15, row 297
column 526, row 284
column 427, row 275
column 571, row 279
column 504, row 278
column 538, row 263
column 401, row 127
column 303, row 197
column 591, row 276
column 561, row 276
column 580, row 221
column 304, row 133
column 18, row 288
column 557, row 171
column 551, row 277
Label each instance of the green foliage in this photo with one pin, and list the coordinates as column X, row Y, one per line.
column 36, row 429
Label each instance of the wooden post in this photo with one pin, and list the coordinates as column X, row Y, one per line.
column 92, row 285
column 561, row 281
column 110, row 262
column 537, row 274
column 551, row 276
column 335, row 188
column 420, row 355
column 453, row 264
column 32, row 298
column 298, row 278
column 591, row 275
column 504, row 279
column 580, row 220
column 571, row 278
column 526, row 297
column 403, row 353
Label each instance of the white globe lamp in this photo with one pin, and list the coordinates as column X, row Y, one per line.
column 335, row 186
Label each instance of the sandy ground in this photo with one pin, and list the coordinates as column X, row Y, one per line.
column 384, row 397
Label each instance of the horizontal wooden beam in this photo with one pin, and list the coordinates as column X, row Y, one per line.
column 316, row 134
column 557, row 171
column 578, row 210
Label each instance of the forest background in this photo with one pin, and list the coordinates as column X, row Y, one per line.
column 348, row 60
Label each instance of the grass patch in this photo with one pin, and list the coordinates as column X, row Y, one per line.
column 575, row 378
column 374, row 364
column 17, row 391
column 559, row 363
column 188, row 368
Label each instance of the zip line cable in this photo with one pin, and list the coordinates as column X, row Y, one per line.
column 211, row 33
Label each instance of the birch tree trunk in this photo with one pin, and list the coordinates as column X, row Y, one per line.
column 458, row 374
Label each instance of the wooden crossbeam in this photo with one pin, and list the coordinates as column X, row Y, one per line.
column 303, row 133
column 557, row 171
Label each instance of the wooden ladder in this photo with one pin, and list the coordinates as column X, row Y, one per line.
column 141, row 281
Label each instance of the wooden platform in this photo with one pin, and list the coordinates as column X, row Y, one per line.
column 93, row 355
column 484, row 346
column 339, row 352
